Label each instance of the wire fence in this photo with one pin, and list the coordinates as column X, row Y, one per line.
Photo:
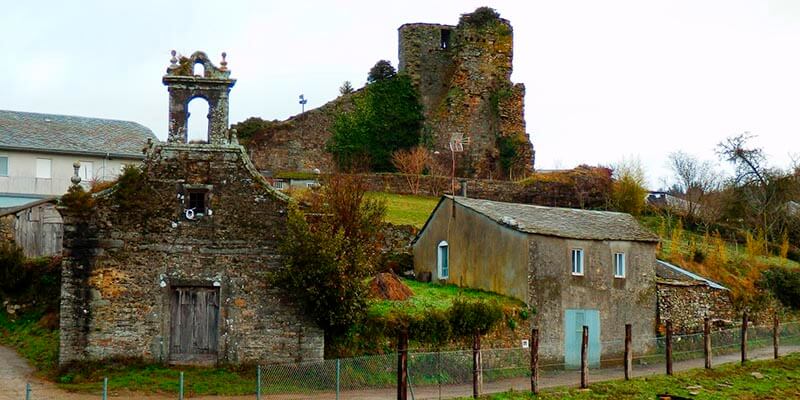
column 449, row 374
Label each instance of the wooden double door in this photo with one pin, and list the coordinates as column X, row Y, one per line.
column 194, row 324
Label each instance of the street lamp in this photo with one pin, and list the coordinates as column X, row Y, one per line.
column 302, row 102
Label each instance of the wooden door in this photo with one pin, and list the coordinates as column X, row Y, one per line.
column 193, row 325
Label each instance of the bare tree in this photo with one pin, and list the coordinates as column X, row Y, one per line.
column 695, row 179
column 412, row 164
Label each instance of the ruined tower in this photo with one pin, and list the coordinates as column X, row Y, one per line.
column 463, row 75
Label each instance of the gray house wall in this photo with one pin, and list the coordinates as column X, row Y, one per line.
column 553, row 289
column 483, row 253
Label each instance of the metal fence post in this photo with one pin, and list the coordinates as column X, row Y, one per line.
column 105, row 388
column 180, row 389
column 338, row 376
column 628, row 353
column 669, row 347
column 584, row 358
column 258, row 382
column 27, row 391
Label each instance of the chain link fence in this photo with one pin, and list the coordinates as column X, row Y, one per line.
column 449, row 374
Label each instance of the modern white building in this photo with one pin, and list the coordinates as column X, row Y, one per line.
column 37, row 152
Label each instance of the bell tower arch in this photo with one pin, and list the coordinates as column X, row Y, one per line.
column 183, row 85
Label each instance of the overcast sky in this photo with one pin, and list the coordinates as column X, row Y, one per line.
column 605, row 79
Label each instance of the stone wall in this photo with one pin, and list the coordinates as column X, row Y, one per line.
column 686, row 304
column 126, row 256
column 582, row 187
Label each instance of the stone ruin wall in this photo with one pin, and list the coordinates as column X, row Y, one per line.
column 464, row 87
column 687, row 304
column 113, row 303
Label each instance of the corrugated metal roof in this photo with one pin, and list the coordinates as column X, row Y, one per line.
column 561, row 222
column 71, row 134
column 672, row 270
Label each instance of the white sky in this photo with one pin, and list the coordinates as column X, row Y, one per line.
column 605, row 79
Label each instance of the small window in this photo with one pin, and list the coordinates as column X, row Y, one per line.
column 197, row 202
column 619, row 265
column 445, row 42
column 3, row 166
column 577, row 261
column 278, row 185
column 43, row 168
column 443, row 260
column 86, row 171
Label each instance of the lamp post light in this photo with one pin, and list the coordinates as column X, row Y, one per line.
column 303, row 102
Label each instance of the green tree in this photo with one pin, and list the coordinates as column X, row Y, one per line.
column 382, row 70
column 346, row 88
column 386, row 117
column 327, row 260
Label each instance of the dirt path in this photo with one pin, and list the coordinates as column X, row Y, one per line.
column 15, row 373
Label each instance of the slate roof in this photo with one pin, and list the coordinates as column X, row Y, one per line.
column 561, row 222
column 72, row 135
column 666, row 270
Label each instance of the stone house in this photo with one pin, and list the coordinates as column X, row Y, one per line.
column 686, row 298
column 170, row 264
column 37, row 152
column 575, row 267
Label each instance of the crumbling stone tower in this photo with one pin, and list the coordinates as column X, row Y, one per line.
column 463, row 74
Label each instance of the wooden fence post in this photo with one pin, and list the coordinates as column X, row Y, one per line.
column 776, row 329
column 707, row 341
column 628, row 353
column 669, row 347
column 744, row 337
column 476, row 348
column 535, row 361
column 402, row 366
column 584, row 358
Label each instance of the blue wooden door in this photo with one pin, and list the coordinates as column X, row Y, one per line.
column 574, row 320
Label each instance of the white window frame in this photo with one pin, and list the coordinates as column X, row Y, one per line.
column 579, row 267
column 39, row 168
column 7, row 168
column 443, row 273
column 619, row 265
column 82, row 171
column 278, row 185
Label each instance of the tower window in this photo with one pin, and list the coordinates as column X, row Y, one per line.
column 445, row 42
column 197, row 201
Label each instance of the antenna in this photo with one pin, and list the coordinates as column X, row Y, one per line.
column 456, row 145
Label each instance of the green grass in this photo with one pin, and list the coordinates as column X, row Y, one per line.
column 37, row 345
column 407, row 209
column 730, row 381
column 434, row 296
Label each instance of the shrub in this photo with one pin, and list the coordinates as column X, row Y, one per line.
column 12, row 268
column 477, row 317
column 783, row 284
column 482, row 16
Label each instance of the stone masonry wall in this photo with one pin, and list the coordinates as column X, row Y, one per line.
column 687, row 304
column 124, row 259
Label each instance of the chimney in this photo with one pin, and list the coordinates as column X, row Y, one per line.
column 463, row 187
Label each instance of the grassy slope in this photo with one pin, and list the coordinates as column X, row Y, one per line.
column 730, row 381
column 407, row 209
column 39, row 346
column 432, row 296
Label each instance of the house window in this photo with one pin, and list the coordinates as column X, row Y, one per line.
column 445, row 42
column 3, row 166
column 577, row 261
column 43, row 167
column 619, row 265
column 86, row 171
column 443, row 260
column 197, row 201
column 278, row 184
